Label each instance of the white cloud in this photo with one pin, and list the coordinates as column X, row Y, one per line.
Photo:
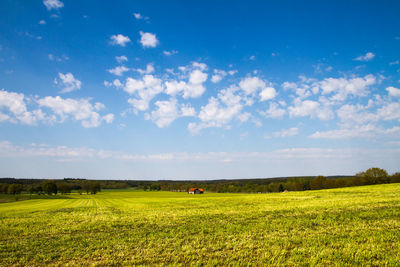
column 119, row 40
column 108, row 118
column 367, row 57
column 389, row 111
column 274, row 111
column 170, row 53
column 145, row 90
column 197, row 77
column 338, row 89
column 68, row 82
column 121, row 59
column 199, row 65
column 394, row 63
column 174, row 87
column 53, row 4
column 252, row 58
column 267, row 93
column 80, row 110
column 194, row 86
column 137, row 15
column 57, row 58
column 219, row 111
column 287, row 156
column 309, row 108
column 393, row 91
column 149, row 69
column 287, row 132
column 251, row 85
column 342, row 87
column 117, row 83
column 351, row 114
column 119, row 70
column 42, row 22
column 167, row 112
column 232, row 72
column 148, row 39
column 218, row 75
column 358, row 131
column 14, row 103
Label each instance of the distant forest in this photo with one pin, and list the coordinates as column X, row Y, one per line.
column 264, row 185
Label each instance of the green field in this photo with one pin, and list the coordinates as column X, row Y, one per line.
column 346, row 226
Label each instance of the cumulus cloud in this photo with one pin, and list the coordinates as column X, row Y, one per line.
column 53, row 4
column 144, row 89
column 287, row 132
column 267, row 93
column 337, row 89
column 67, row 82
column 341, row 88
column 42, row 22
column 367, row 57
column 56, row 109
column 191, row 88
column 393, row 91
column 218, row 76
column 148, row 39
column 149, row 69
column 358, row 131
column 251, row 84
column 232, row 72
column 119, row 39
column 274, row 111
column 219, row 111
column 57, row 58
column 119, row 70
column 168, row 111
column 121, row 59
column 170, row 53
column 15, row 108
column 117, row 83
column 310, row 108
column 137, row 15
column 80, row 110
column 389, row 111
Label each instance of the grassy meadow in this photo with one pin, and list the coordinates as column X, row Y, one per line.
column 345, row 226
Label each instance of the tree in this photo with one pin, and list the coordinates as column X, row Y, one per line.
column 318, row 183
column 95, row 187
column 281, row 188
column 375, row 176
column 15, row 189
column 395, row 177
column 86, row 187
column 4, row 188
column 50, row 188
column 63, row 188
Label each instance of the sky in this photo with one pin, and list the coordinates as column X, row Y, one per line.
column 198, row 89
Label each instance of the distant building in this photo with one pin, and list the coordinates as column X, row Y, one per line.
column 196, row 191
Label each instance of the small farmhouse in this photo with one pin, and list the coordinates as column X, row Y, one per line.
column 196, row 191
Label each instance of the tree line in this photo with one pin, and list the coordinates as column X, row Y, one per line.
column 368, row 177
column 50, row 188
column 264, row 185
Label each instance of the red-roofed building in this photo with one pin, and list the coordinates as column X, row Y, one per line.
column 196, row 191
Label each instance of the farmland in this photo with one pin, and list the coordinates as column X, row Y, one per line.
column 344, row 226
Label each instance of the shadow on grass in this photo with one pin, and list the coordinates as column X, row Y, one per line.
column 6, row 198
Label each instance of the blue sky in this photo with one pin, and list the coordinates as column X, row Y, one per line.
column 198, row 90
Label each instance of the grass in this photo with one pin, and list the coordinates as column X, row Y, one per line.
column 346, row 226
